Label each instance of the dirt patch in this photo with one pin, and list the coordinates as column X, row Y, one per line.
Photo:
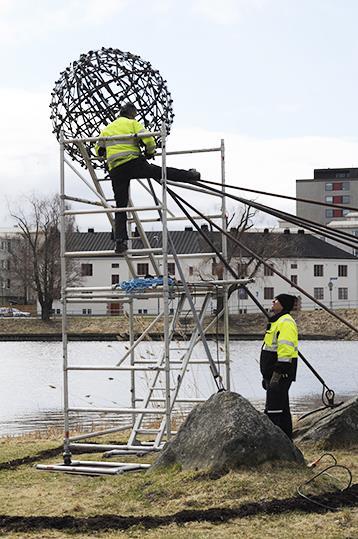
column 348, row 498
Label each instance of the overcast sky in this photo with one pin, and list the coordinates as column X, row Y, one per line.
column 277, row 79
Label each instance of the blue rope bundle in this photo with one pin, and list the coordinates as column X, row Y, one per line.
column 141, row 283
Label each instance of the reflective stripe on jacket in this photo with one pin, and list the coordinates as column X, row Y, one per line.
column 120, row 152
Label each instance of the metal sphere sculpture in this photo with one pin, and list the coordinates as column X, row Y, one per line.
column 90, row 92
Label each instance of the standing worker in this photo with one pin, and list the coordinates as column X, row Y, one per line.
column 278, row 361
column 125, row 162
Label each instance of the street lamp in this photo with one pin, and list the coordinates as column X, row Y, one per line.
column 330, row 287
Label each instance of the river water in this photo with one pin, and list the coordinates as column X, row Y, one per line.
column 31, row 386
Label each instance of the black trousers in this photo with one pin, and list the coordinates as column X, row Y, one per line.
column 137, row 168
column 278, row 405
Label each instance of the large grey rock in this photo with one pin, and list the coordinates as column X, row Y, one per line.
column 337, row 427
column 224, row 433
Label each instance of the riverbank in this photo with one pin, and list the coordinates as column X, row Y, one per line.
column 312, row 325
column 316, row 324
column 250, row 503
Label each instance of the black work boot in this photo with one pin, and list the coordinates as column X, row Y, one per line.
column 121, row 247
column 195, row 174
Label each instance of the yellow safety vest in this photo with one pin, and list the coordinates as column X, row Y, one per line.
column 118, row 153
column 282, row 338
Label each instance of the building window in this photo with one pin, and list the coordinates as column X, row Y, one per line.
column 337, row 186
column 142, row 269
column 342, row 293
column 346, row 212
column 318, row 270
column 243, row 293
column 171, row 268
column 342, row 270
column 329, row 199
column 337, row 213
column 191, row 271
column 294, row 266
column 345, row 186
column 86, row 270
column 329, row 213
column 8, row 283
column 5, row 245
column 342, row 175
column 318, row 293
column 329, row 187
column 346, row 199
column 115, row 265
column 115, row 278
column 293, row 279
column 268, row 272
column 268, row 292
column 242, row 270
column 142, row 311
column 86, row 311
column 5, row 264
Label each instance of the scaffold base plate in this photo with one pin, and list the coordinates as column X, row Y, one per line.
column 91, row 467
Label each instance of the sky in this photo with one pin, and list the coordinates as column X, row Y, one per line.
column 276, row 79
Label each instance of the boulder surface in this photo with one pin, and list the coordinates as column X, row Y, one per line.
column 224, row 433
column 331, row 427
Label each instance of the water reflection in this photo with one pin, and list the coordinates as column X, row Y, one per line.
column 31, row 380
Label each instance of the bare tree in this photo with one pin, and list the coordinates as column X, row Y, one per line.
column 40, row 240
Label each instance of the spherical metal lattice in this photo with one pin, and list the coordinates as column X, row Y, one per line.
column 90, row 92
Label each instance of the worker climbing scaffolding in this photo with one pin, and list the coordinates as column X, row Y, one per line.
column 126, row 161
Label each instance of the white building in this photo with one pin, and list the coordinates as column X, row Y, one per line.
column 327, row 273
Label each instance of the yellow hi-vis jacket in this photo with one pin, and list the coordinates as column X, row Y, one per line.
column 280, row 347
column 120, row 152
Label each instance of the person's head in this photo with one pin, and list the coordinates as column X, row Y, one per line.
column 129, row 111
column 283, row 302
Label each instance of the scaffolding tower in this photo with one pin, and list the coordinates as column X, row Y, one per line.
column 152, row 412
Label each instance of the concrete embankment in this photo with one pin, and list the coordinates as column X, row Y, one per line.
column 312, row 325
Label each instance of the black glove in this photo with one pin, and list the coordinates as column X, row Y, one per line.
column 148, row 155
column 276, row 379
column 264, row 384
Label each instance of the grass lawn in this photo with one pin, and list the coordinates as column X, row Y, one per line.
column 141, row 504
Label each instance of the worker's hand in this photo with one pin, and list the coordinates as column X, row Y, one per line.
column 275, row 380
column 264, row 384
column 149, row 155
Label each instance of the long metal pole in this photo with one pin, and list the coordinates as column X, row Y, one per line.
column 66, row 448
column 225, row 255
column 166, row 284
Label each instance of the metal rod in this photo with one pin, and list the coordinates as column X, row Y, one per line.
column 225, row 255
column 113, row 138
column 164, row 215
column 128, row 411
column 66, row 449
column 112, row 210
column 182, row 152
column 142, row 336
column 86, row 254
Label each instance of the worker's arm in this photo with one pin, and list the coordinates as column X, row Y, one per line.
column 148, row 142
column 286, row 345
column 100, row 147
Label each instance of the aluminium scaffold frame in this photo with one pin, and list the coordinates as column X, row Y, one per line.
column 163, row 367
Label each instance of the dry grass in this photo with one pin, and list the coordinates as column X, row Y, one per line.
column 28, row 492
column 310, row 323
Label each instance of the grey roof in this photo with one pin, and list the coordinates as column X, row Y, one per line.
column 268, row 245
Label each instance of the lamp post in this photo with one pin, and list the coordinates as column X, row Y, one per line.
column 330, row 287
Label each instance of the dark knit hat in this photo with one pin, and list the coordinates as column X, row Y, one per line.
column 287, row 301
